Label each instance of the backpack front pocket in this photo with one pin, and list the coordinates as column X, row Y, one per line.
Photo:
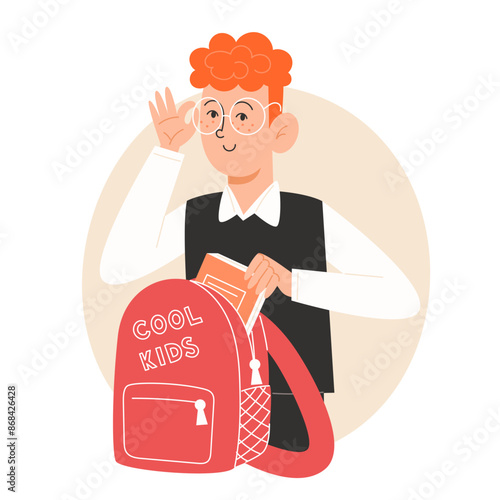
column 168, row 422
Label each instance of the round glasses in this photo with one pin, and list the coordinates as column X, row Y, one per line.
column 247, row 116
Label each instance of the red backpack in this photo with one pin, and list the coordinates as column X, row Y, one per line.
column 191, row 391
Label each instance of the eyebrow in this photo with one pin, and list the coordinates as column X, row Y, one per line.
column 211, row 100
column 244, row 102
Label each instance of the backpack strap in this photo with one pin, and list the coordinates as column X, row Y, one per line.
column 321, row 442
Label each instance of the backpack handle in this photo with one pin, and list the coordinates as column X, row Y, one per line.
column 319, row 428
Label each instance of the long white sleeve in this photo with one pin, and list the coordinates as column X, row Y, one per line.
column 369, row 283
column 143, row 239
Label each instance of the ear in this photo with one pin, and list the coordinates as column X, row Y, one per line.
column 286, row 130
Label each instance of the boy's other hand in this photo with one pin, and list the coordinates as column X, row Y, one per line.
column 264, row 273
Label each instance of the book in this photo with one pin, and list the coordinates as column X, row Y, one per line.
column 227, row 277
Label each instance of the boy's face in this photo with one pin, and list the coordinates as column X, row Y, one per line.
column 229, row 151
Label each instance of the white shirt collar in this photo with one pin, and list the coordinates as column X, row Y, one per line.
column 267, row 206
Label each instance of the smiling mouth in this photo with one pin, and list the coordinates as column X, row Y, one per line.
column 229, row 150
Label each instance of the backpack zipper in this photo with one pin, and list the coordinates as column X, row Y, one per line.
column 254, row 363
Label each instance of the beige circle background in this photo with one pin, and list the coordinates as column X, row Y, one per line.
column 337, row 159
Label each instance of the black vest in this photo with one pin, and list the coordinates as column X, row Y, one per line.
column 296, row 243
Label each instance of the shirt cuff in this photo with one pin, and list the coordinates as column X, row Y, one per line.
column 168, row 154
column 295, row 285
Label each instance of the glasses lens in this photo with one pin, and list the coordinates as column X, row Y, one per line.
column 207, row 115
column 247, row 116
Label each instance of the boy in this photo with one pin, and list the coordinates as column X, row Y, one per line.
column 279, row 236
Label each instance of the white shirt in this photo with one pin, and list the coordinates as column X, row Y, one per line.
column 143, row 239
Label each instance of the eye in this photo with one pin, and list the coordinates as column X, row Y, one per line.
column 242, row 116
column 213, row 114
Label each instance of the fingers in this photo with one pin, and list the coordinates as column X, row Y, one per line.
column 253, row 265
column 271, row 286
column 184, row 108
column 160, row 105
column 154, row 113
column 258, row 274
column 167, row 106
column 265, row 281
column 196, row 117
column 262, row 275
column 169, row 100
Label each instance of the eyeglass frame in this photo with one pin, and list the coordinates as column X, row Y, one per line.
column 229, row 115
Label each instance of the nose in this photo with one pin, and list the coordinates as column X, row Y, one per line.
column 219, row 133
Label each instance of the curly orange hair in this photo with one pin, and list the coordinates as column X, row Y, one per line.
column 249, row 62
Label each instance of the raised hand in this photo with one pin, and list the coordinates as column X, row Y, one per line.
column 170, row 122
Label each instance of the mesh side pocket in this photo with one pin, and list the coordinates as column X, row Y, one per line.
column 255, row 415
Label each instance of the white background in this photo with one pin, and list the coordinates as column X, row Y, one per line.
column 67, row 77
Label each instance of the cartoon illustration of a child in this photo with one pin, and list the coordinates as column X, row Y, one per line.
column 276, row 234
